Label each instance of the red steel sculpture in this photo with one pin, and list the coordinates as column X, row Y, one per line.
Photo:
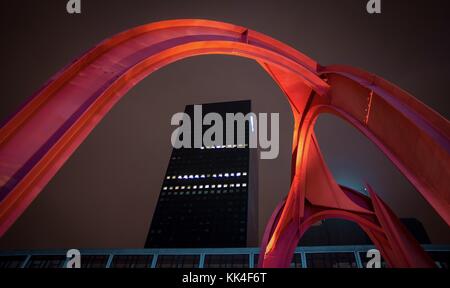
column 37, row 140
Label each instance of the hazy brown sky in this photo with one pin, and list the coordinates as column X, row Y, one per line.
column 105, row 194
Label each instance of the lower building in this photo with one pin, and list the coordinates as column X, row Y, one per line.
column 353, row 256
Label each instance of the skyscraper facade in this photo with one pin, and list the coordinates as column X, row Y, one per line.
column 209, row 194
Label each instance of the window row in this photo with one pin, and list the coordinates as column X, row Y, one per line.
column 203, row 176
column 206, row 186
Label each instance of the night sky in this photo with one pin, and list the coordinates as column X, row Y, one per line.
column 105, row 194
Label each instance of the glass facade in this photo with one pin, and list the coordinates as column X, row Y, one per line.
column 132, row 261
column 304, row 257
column 178, row 261
column 441, row 258
column 94, row 261
column 296, row 261
column 12, row 261
column 227, row 261
column 331, row 260
column 46, row 261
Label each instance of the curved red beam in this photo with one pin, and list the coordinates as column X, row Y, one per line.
column 321, row 198
column 39, row 138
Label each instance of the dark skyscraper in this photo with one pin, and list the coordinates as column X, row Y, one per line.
column 209, row 194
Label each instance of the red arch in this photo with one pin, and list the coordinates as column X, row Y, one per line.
column 295, row 232
column 40, row 137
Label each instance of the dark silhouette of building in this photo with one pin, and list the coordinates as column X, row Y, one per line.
column 209, row 196
column 336, row 232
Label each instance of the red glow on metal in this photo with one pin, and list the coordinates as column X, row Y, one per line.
column 39, row 138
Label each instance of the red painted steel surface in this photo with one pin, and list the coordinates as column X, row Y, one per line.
column 39, row 138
